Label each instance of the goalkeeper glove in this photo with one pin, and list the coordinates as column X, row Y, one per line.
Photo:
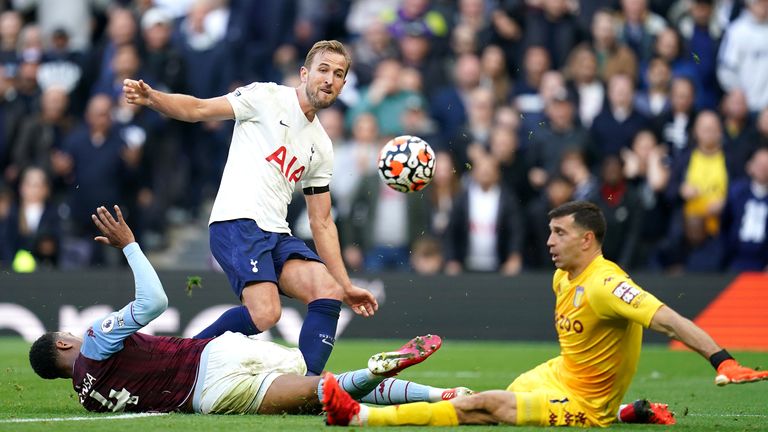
column 730, row 371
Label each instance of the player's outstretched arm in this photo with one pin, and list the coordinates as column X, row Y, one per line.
column 151, row 300
column 326, row 238
column 177, row 106
column 677, row 327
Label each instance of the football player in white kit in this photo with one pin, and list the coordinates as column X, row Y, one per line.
column 277, row 142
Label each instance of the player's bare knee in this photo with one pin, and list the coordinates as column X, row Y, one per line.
column 328, row 289
column 265, row 317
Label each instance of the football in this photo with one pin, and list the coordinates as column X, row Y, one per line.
column 407, row 163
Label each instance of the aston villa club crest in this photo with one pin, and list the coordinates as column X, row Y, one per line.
column 578, row 296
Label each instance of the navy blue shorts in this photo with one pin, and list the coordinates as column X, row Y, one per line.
column 249, row 254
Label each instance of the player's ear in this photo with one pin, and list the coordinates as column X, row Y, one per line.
column 303, row 72
column 63, row 345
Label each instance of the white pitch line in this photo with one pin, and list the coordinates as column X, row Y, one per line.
column 728, row 415
column 62, row 419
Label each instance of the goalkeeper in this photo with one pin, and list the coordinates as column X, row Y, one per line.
column 600, row 314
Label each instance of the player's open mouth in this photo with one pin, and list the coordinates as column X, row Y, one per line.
column 326, row 91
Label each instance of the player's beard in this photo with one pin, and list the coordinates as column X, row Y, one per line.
column 316, row 102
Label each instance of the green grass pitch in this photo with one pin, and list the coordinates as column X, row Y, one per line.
column 681, row 379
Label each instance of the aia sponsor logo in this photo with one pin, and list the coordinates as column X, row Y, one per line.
column 291, row 172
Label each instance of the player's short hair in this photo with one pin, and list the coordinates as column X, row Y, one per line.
column 333, row 46
column 43, row 356
column 585, row 214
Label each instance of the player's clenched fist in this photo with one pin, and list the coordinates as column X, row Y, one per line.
column 730, row 371
column 136, row 92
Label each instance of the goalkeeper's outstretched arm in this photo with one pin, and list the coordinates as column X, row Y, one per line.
column 677, row 327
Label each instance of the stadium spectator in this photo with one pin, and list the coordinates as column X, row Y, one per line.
column 485, row 232
column 12, row 113
column 745, row 218
column 63, row 66
column 573, row 166
column 253, row 40
column 697, row 191
column 74, row 17
column 248, row 229
column 473, row 135
column 464, row 41
column 615, row 127
column 448, row 106
column 383, row 224
column 507, row 32
column 552, row 83
column 415, row 119
column 638, row 27
column 121, row 30
column 525, row 93
column 427, row 256
column 28, row 89
column 583, row 80
column 159, row 57
column 355, row 159
column 653, row 101
column 559, row 134
column 151, row 190
column 557, row 192
column 669, row 47
column 418, row 14
column 230, row 374
column 620, row 203
column 11, row 24
column 384, row 98
column 701, row 176
column 613, row 56
column 702, row 32
column 33, row 225
column 96, row 163
column 673, row 127
column 647, row 168
column 375, row 45
column 504, row 147
column 442, row 193
column 416, row 50
column 494, row 74
column 738, row 130
column 572, row 389
column 742, row 52
column 212, row 71
column 125, row 64
column 554, row 27
column 41, row 134
column 364, row 14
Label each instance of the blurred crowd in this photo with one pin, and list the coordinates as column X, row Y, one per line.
column 655, row 110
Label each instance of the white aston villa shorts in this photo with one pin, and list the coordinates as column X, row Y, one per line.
column 236, row 372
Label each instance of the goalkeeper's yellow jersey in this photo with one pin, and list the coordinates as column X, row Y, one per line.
column 599, row 318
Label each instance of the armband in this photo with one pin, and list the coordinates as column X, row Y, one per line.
column 312, row 190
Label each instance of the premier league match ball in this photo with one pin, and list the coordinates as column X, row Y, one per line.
column 407, row 163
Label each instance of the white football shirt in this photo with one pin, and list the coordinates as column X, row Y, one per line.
column 273, row 147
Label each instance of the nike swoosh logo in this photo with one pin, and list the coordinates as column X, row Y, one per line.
column 283, row 123
column 325, row 341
